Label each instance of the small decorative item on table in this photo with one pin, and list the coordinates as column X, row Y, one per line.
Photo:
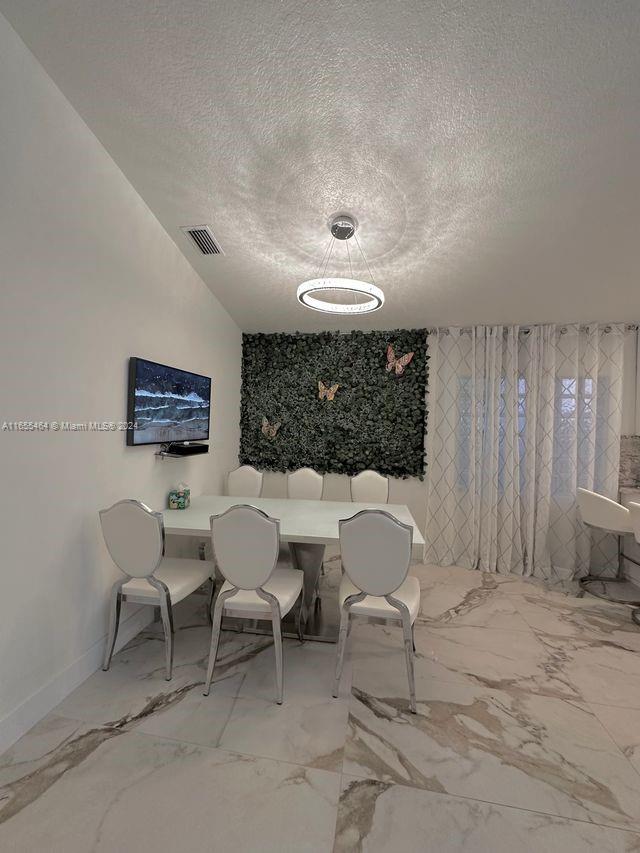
column 180, row 497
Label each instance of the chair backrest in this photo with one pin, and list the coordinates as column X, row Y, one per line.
column 244, row 482
column 634, row 515
column 245, row 544
column 134, row 536
column 598, row 511
column 305, row 483
column 376, row 550
column 370, row 487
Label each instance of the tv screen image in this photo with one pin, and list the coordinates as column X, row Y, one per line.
column 166, row 404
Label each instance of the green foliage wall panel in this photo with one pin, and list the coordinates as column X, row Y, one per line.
column 376, row 420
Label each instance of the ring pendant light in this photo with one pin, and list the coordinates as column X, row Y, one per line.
column 343, row 228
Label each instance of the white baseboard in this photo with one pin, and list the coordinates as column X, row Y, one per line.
column 39, row 704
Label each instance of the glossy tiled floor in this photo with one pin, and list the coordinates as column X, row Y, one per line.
column 527, row 738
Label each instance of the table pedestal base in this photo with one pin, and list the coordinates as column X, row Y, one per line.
column 321, row 597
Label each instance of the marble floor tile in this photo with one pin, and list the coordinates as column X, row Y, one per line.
column 430, row 576
column 102, row 792
column 519, row 585
column 135, row 685
column 453, row 604
column 526, row 736
column 623, row 724
column 516, row 749
column 602, row 671
column 47, row 738
column 591, row 617
column 488, row 657
column 510, row 584
column 309, row 670
column 195, row 719
column 376, row 817
column 309, row 732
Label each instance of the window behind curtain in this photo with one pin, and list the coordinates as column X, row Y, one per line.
column 466, row 426
column 582, row 409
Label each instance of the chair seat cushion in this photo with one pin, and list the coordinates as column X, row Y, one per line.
column 181, row 576
column 285, row 584
column 375, row 605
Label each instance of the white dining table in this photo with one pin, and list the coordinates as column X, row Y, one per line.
column 307, row 526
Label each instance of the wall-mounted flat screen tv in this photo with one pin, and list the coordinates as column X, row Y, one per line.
column 166, row 404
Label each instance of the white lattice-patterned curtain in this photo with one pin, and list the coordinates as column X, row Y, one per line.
column 518, row 419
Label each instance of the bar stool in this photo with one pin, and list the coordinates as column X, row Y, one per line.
column 602, row 513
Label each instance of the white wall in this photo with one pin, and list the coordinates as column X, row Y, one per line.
column 88, row 277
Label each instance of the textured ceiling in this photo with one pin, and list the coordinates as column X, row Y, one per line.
column 490, row 149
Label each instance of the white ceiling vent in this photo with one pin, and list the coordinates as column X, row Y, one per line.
column 202, row 236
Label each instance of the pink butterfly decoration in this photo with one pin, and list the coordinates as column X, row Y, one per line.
column 397, row 364
column 270, row 430
column 327, row 392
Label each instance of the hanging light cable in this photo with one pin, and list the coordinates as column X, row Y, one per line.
column 367, row 296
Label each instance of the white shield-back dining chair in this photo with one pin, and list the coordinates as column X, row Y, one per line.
column 602, row 513
column 245, row 544
column 376, row 555
column 245, row 482
column 369, row 487
column 305, row 484
column 134, row 536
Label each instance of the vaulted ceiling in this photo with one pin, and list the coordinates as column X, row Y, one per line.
column 490, row 150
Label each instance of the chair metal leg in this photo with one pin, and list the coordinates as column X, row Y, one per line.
column 409, row 645
column 604, row 587
column 166, row 611
column 215, row 639
column 342, row 642
column 277, row 646
column 301, row 616
column 167, row 624
column 620, row 572
column 317, row 604
column 413, row 637
column 276, row 619
column 210, row 600
column 114, row 622
column 409, row 648
column 342, row 637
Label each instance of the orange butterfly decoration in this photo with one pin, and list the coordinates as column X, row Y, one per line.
column 326, row 391
column 270, row 430
column 397, row 364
